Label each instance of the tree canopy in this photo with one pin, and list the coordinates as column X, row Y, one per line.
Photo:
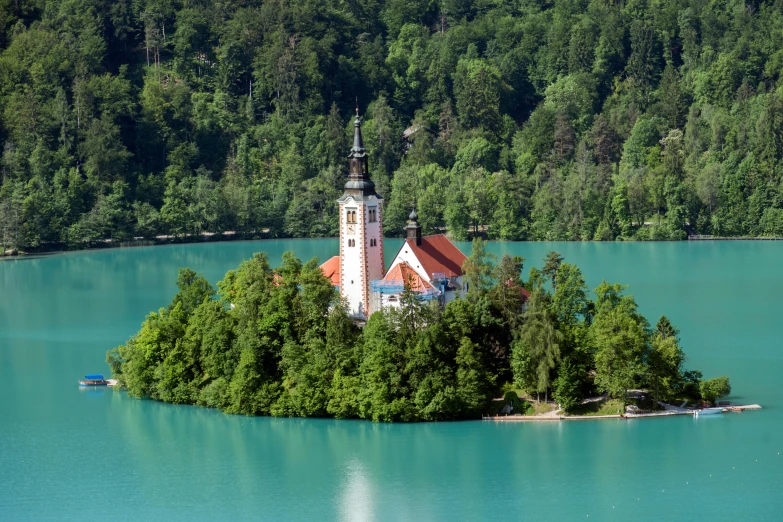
column 279, row 342
column 531, row 120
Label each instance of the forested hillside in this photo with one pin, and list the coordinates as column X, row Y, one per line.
column 527, row 119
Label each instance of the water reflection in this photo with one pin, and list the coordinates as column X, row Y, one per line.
column 356, row 496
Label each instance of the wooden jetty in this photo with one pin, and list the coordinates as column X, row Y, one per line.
column 742, row 407
column 720, row 238
column 664, row 413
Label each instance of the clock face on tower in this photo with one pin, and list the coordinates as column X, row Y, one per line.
column 351, row 229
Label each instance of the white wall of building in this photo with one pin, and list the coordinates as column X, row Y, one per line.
column 407, row 255
column 361, row 263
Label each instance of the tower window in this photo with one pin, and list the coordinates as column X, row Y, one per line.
column 372, row 215
column 351, row 242
column 350, row 216
column 373, row 242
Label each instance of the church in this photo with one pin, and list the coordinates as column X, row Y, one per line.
column 430, row 265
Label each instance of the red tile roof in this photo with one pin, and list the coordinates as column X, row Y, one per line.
column 437, row 254
column 331, row 269
column 522, row 291
column 404, row 272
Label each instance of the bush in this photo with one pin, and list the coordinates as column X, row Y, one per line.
column 712, row 389
column 518, row 405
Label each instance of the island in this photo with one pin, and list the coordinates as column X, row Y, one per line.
column 280, row 341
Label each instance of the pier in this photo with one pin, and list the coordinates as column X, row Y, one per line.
column 669, row 411
column 719, row 238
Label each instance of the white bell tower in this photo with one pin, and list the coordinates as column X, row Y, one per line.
column 361, row 234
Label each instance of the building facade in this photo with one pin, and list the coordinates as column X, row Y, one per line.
column 361, row 236
column 429, row 265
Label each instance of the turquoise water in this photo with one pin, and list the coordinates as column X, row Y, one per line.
column 66, row 452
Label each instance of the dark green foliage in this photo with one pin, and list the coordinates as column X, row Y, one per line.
column 518, row 406
column 534, row 121
column 567, row 389
column 713, row 389
column 279, row 342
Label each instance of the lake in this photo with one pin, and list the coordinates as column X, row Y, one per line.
column 68, row 453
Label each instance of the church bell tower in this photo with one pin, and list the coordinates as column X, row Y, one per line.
column 361, row 234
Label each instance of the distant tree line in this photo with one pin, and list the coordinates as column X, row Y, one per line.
column 529, row 119
column 278, row 342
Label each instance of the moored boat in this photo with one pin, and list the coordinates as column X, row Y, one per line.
column 709, row 411
column 93, row 379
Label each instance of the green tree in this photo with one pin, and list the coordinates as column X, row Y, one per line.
column 478, row 87
column 567, row 386
column 474, row 383
column 540, row 337
column 477, row 270
column 713, row 389
column 665, row 360
column 619, row 336
column 552, row 266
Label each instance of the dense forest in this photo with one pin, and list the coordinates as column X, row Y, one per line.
column 523, row 119
column 277, row 342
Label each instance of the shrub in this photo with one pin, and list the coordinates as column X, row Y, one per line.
column 518, row 405
column 712, row 389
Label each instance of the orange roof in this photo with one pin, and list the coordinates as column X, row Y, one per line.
column 402, row 271
column 331, row 269
column 438, row 255
column 522, row 291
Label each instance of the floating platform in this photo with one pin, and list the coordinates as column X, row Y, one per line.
column 742, row 408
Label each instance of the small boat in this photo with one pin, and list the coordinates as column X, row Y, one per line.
column 94, row 379
column 708, row 411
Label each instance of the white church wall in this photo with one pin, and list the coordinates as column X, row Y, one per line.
column 351, row 273
column 360, row 263
column 375, row 268
column 407, row 255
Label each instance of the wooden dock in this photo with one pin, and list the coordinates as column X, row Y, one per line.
column 664, row 413
column 719, row 238
column 742, row 408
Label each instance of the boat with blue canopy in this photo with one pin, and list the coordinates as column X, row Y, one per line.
column 93, row 379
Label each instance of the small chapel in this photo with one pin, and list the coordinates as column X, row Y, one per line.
column 430, row 265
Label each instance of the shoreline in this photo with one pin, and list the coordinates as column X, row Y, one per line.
column 162, row 240
column 665, row 413
column 216, row 237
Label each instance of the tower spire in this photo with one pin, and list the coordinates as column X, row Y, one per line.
column 413, row 229
column 359, row 175
column 361, row 233
column 358, row 143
